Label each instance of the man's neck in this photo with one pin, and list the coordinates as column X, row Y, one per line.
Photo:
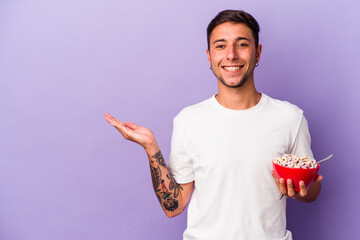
column 241, row 98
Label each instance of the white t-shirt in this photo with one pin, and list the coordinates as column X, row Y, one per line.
column 228, row 153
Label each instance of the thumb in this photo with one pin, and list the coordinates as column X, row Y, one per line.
column 318, row 178
column 131, row 125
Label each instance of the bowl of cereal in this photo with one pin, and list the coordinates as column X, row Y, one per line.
column 290, row 166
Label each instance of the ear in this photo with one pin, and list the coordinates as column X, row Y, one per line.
column 208, row 54
column 258, row 53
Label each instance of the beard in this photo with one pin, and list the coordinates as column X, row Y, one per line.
column 218, row 75
column 243, row 80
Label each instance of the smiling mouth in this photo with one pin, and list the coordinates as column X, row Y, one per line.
column 233, row 68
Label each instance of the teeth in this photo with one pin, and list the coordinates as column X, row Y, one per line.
column 232, row 68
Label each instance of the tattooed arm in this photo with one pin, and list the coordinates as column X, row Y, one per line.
column 172, row 196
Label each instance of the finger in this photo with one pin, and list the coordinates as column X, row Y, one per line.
column 303, row 191
column 275, row 178
column 126, row 132
column 110, row 118
column 290, row 188
column 115, row 122
column 282, row 187
column 319, row 178
column 131, row 125
column 108, row 115
column 119, row 125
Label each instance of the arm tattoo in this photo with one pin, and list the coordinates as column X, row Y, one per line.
column 156, row 179
column 159, row 159
column 166, row 195
column 170, row 204
column 174, row 186
column 156, row 176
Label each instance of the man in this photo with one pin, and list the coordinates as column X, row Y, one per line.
column 222, row 148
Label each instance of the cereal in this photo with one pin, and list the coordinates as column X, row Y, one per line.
column 294, row 161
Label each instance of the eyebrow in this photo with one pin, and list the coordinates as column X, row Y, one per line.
column 237, row 39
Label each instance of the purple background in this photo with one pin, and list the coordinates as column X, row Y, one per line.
column 65, row 173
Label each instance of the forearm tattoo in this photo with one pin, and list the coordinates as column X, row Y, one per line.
column 156, row 176
column 166, row 194
column 159, row 159
column 174, row 186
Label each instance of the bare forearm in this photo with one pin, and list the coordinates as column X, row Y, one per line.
column 166, row 189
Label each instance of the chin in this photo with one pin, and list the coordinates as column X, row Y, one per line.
column 234, row 84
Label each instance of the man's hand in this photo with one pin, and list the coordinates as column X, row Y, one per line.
column 305, row 195
column 173, row 197
column 134, row 133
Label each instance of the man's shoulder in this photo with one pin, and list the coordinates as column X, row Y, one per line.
column 283, row 107
column 283, row 112
column 195, row 111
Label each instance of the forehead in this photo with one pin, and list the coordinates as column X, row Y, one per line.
column 231, row 31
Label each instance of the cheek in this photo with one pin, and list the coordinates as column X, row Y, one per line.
column 216, row 59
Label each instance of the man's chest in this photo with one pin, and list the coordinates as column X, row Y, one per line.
column 238, row 145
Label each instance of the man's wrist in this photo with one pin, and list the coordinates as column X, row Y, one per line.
column 152, row 148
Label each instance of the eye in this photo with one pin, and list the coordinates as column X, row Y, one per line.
column 220, row 46
column 242, row 45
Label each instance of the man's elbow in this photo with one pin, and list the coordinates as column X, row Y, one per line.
column 172, row 214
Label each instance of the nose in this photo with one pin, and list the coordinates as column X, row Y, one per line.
column 232, row 54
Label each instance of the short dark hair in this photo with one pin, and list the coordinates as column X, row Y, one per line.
column 235, row 16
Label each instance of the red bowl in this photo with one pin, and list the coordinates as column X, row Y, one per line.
column 296, row 174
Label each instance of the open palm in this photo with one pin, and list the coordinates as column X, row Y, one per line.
column 132, row 132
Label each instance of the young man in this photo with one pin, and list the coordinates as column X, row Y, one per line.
column 222, row 148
